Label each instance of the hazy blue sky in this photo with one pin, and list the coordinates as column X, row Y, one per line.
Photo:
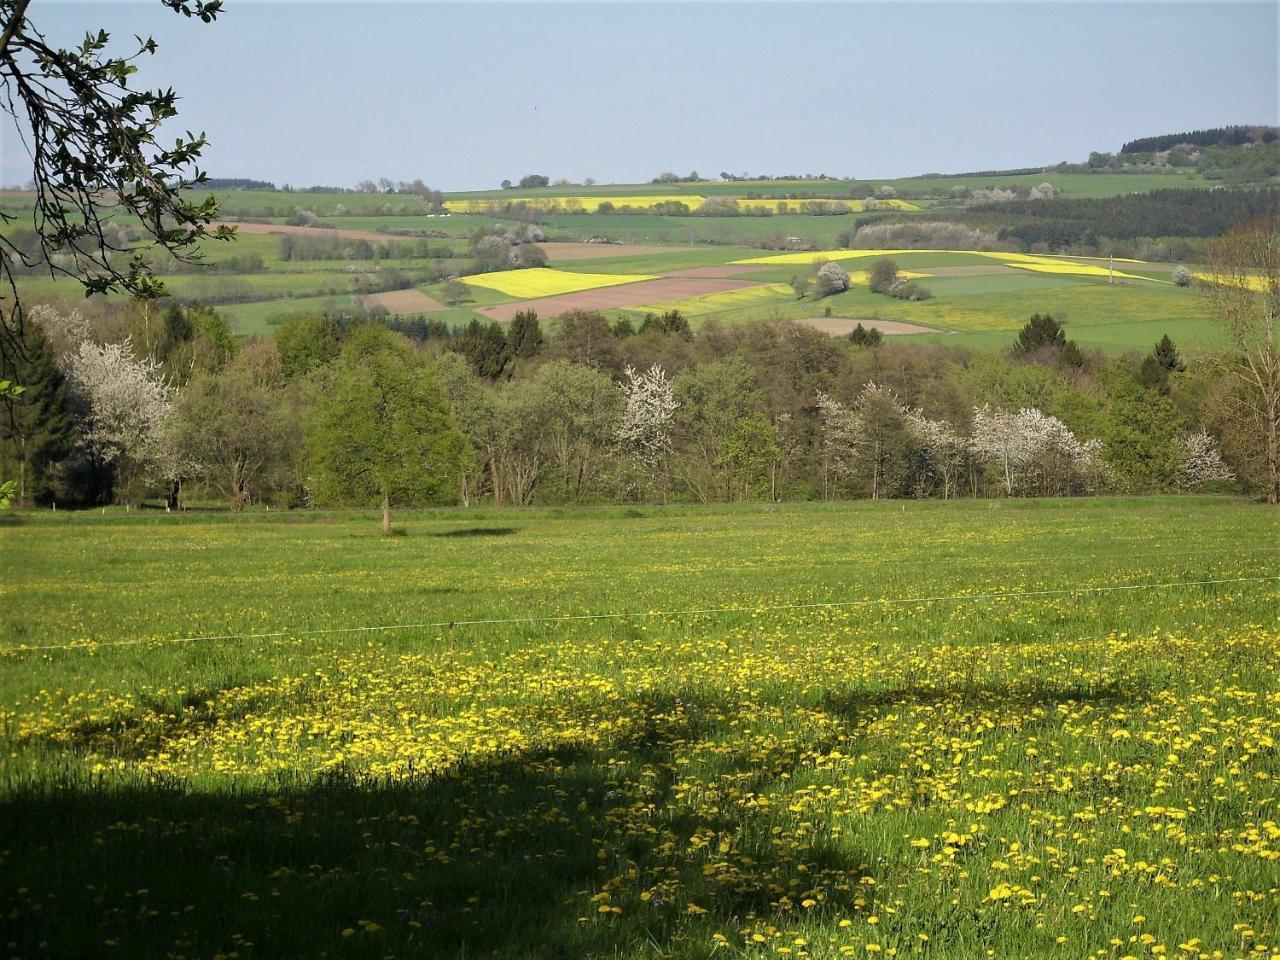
column 463, row 95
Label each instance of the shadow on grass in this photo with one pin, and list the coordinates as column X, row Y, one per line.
column 477, row 532
column 500, row 858
column 855, row 704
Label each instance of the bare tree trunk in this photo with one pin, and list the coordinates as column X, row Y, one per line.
column 1273, row 457
column 386, row 514
column 22, row 474
column 875, row 474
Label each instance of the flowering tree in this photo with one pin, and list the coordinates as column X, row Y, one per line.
column 1036, row 452
column 831, row 278
column 644, row 430
column 873, row 440
column 1200, row 463
column 124, row 409
column 944, row 448
column 841, row 435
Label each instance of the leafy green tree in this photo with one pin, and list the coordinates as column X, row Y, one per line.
column 95, row 159
column 884, row 274
column 1140, row 430
column 233, row 425
column 889, row 453
column 750, row 454
column 672, row 323
column 183, row 340
column 581, row 426
column 861, row 336
column 381, row 430
column 306, row 343
column 38, row 428
column 1041, row 331
column 454, row 291
column 713, row 398
column 9, row 391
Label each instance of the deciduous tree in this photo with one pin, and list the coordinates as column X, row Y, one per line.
column 381, row 431
column 1245, row 297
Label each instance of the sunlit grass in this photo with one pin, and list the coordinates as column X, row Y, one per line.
column 927, row 729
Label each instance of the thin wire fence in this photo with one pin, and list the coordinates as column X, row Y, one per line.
column 645, row 614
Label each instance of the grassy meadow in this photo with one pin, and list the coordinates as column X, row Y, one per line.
column 954, row 730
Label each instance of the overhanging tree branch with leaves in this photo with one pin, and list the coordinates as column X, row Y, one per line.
column 96, row 159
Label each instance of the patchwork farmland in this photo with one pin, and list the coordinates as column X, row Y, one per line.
column 621, row 250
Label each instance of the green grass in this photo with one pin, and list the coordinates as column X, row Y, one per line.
column 1010, row 281
column 1195, row 336
column 256, row 319
column 886, row 772
column 985, row 311
column 1079, row 302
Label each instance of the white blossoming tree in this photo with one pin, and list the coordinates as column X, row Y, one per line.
column 124, row 410
column 1200, row 463
column 841, row 438
column 996, row 436
column 944, row 448
column 1037, row 452
column 644, row 430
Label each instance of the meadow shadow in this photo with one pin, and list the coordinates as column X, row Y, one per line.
column 498, row 857
column 477, row 532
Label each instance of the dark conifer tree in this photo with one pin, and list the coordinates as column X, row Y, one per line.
column 37, row 427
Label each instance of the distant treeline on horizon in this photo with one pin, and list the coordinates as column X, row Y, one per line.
column 1213, row 137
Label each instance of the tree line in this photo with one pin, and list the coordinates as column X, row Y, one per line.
column 169, row 406
column 1069, row 222
column 146, row 399
column 1214, row 136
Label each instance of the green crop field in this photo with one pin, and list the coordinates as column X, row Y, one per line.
column 1009, row 729
column 257, row 319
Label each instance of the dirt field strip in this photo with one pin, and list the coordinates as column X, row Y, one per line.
column 406, row 301
column 843, row 326
column 606, row 298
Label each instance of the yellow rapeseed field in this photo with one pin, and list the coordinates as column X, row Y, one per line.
column 1253, row 283
column 726, row 300
column 1066, row 267
column 1024, row 261
column 547, row 282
